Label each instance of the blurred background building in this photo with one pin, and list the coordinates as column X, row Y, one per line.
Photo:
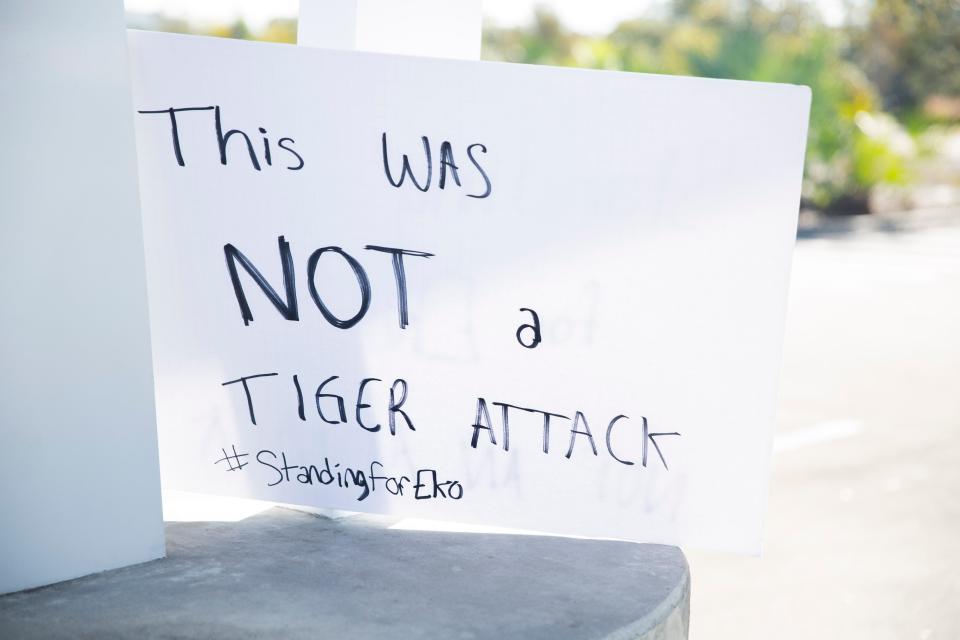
column 863, row 530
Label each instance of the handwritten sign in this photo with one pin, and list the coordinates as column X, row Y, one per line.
column 530, row 297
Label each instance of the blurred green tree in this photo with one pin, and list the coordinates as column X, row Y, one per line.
column 910, row 49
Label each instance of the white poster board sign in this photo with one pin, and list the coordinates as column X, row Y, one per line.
column 532, row 297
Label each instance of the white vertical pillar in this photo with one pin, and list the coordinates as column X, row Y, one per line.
column 436, row 28
column 79, row 476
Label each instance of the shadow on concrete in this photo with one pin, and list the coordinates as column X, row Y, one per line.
column 288, row 574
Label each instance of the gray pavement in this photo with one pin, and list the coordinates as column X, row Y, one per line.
column 863, row 528
column 288, row 574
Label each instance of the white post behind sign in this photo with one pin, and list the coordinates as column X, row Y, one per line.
column 435, row 28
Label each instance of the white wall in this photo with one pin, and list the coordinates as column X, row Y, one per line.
column 79, row 479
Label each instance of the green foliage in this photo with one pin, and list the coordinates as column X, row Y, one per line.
column 911, row 50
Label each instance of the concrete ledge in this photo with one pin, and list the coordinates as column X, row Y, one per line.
column 288, row 574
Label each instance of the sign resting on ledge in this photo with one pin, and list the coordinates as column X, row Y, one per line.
column 531, row 297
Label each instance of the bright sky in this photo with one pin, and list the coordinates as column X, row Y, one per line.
column 580, row 15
